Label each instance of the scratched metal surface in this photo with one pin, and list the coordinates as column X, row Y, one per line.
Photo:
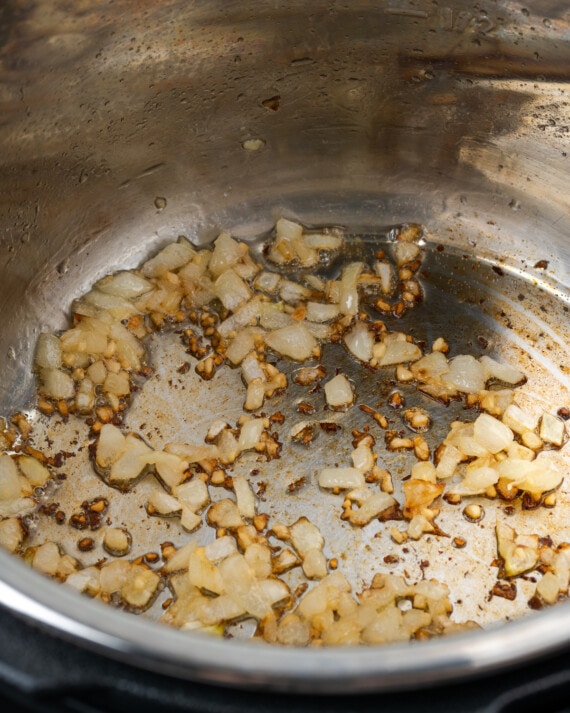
column 465, row 299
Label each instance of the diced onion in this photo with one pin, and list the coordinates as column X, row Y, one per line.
column 386, row 274
column 48, row 352
column 35, row 472
column 400, row 352
column 57, row 384
column 244, row 496
column 359, row 341
column 241, row 346
column 430, row 368
column 466, row 374
column 406, row 252
column 552, row 429
column 273, row 317
column 250, row 434
column 245, row 315
column 448, row 462
column 518, row 420
column 193, row 494
column 490, row 433
column 10, row 486
column 231, row 290
column 501, row 372
column 170, row 258
column 344, row 478
column 288, row 229
column 110, row 445
column 362, row 458
column 321, row 312
column 163, row 504
column 371, row 508
column 267, row 282
column 306, row 536
column 476, row 481
column 338, row 392
column 294, row 341
column 323, row 241
column 348, row 297
column 126, row 283
column 293, row 292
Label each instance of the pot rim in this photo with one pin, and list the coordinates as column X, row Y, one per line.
column 241, row 664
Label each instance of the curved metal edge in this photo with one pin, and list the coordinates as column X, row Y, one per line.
column 248, row 665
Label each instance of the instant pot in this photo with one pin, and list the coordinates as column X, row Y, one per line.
column 127, row 123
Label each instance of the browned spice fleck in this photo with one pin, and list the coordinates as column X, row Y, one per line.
column 330, row 427
column 305, row 435
column 91, row 514
column 506, row 590
column 296, row 485
column 86, row 544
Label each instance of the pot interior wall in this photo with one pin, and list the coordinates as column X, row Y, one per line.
column 126, row 125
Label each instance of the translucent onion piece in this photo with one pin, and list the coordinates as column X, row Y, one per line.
column 490, row 433
column 110, row 446
column 466, row 374
column 231, row 290
column 518, row 420
column 476, row 481
column 430, row 368
column 294, row 341
column 10, row 486
column 348, row 297
column 250, row 433
column 244, row 496
column 501, row 372
column 400, row 352
column 126, row 283
column 321, row 312
column 371, row 508
column 267, row 282
column 406, row 252
column 306, row 536
column 48, row 352
column 344, row 478
column 385, row 272
column 57, row 384
column 323, row 241
column 338, row 392
column 227, row 252
column 359, row 341
column 170, row 258
column 288, row 229
column 552, row 429
column 193, row 494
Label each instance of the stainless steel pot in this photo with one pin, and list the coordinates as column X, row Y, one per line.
column 126, row 124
